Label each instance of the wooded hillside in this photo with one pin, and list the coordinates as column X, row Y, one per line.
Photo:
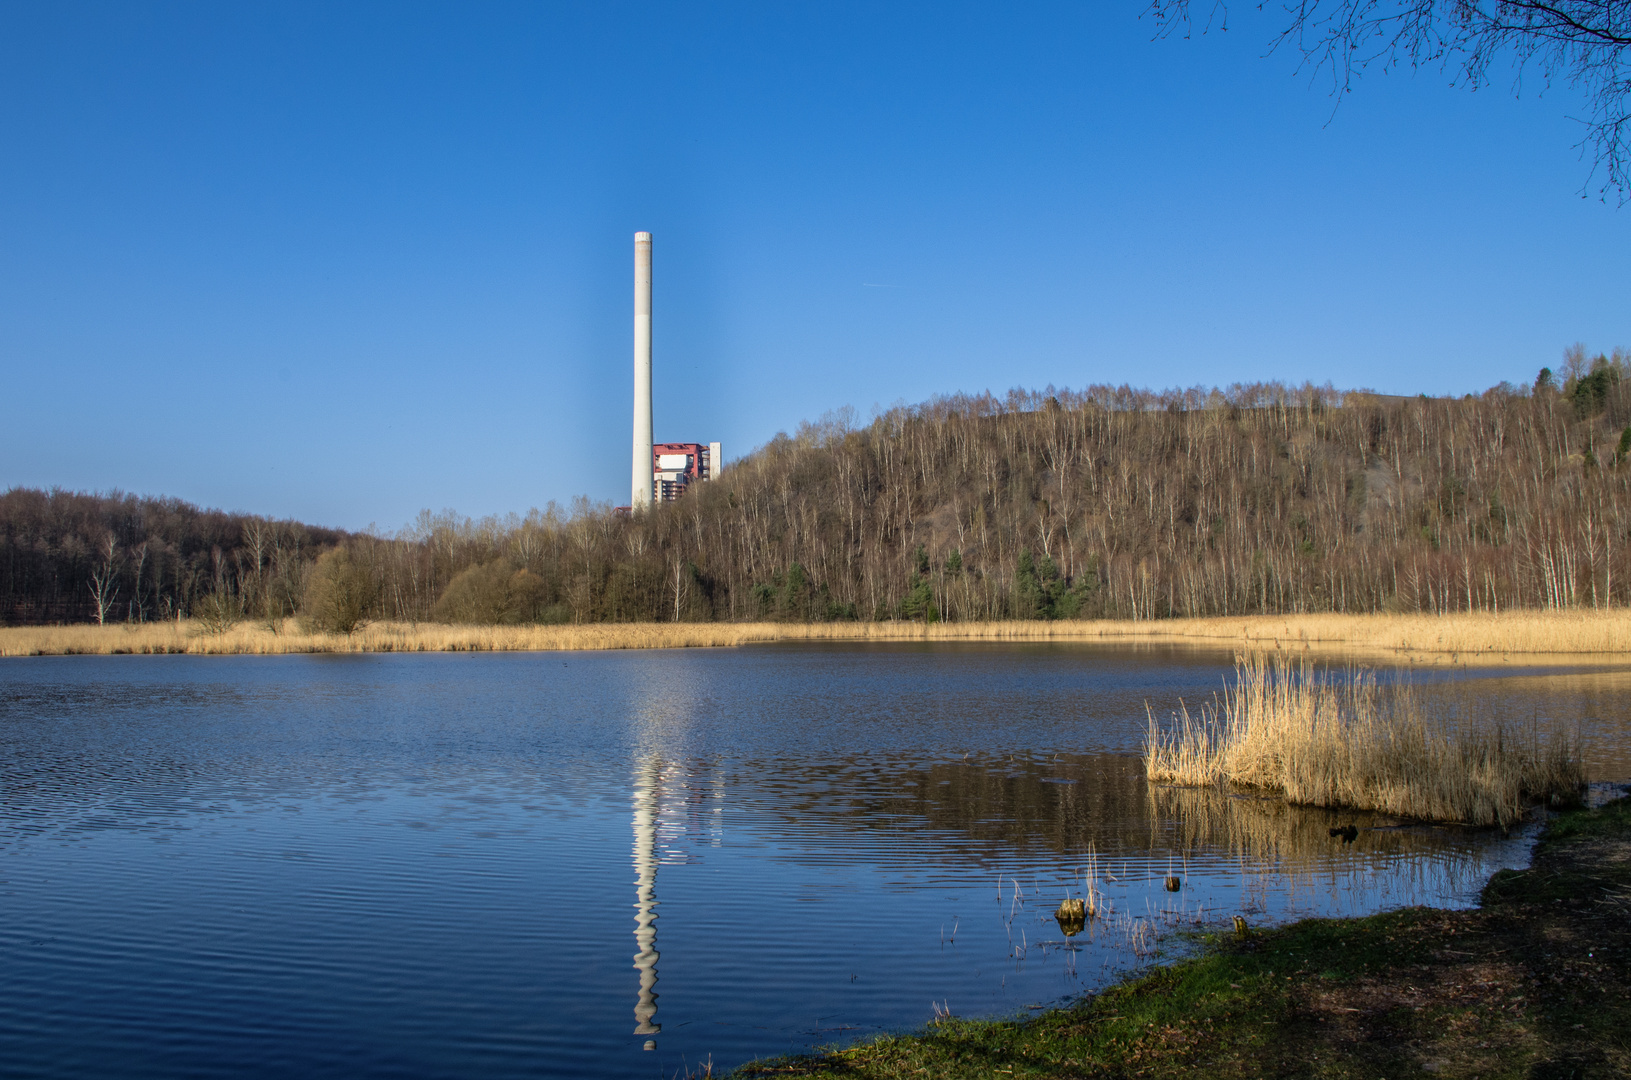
column 1104, row 502
column 72, row 557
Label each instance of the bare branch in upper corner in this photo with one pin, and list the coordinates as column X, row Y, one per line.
column 1580, row 43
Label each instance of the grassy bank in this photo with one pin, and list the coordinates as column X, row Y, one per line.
column 1516, row 637
column 1533, row 984
column 1283, row 729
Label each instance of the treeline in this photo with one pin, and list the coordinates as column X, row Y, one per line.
column 1106, row 502
column 70, row 557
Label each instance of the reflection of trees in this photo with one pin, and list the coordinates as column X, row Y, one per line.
column 954, row 812
column 1054, row 806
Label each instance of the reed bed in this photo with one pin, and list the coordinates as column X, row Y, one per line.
column 1529, row 637
column 288, row 637
column 1285, row 729
column 1516, row 637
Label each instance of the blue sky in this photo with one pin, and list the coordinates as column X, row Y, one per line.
column 344, row 262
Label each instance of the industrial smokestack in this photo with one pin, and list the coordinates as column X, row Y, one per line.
column 641, row 494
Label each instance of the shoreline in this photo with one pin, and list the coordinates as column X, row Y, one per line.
column 1534, row 982
column 1515, row 638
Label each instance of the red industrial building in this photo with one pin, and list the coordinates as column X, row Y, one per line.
column 662, row 472
column 677, row 465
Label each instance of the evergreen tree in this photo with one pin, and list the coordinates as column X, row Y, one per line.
column 919, row 600
column 1029, row 599
column 795, row 598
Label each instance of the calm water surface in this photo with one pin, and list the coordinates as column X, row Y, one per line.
column 622, row 864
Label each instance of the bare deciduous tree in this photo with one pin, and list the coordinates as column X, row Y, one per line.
column 681, row 584
column 105, row 578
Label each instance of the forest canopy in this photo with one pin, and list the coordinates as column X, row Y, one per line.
column 1104, row 502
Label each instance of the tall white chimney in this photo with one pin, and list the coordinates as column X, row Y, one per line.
column 641, row 493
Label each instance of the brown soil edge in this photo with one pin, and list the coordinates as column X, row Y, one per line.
column 1534, row 984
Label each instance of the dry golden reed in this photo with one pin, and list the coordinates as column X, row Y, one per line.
column 1528, row 637
column 258, row 639
column 1284, row 729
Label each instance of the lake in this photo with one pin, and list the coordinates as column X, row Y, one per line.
column 632, row 863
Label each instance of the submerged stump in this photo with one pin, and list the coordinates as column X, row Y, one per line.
column 1072, row 916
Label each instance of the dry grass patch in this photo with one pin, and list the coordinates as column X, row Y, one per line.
column 1287, row 729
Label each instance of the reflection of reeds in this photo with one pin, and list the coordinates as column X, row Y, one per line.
column 1271, row 833
column 1286, row 856
column 1096, row 902
column 1350, row 743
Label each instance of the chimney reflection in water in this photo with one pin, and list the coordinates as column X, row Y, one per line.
column 645, row 918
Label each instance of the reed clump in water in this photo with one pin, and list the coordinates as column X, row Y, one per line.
column 1281, row 728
